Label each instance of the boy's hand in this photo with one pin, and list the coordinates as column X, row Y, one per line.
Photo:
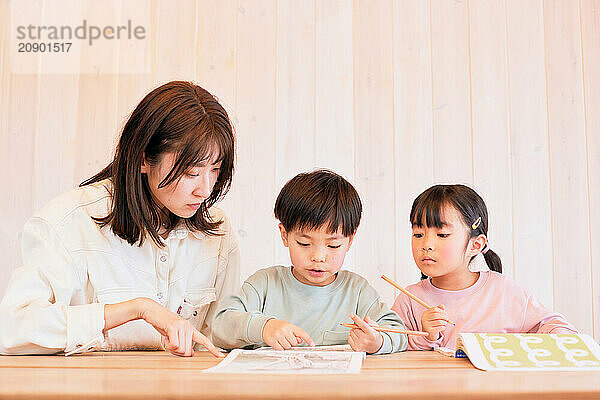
column 282, row 335
column 434, row 321
column 364, row 338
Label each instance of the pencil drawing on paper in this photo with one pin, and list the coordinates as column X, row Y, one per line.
column 298, row 361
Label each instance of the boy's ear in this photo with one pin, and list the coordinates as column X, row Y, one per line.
column 284, row 235
column 144, row 167
column 478, row 244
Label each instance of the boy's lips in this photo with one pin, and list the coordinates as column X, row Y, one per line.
column 428, row 260
column 316, row 272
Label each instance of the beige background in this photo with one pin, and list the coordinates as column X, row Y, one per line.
column 396, row 95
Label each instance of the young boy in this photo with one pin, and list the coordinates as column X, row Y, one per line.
column 282, row 307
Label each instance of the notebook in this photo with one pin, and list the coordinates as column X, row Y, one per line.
column 529, row 351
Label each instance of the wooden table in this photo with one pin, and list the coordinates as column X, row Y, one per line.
column 154, row 375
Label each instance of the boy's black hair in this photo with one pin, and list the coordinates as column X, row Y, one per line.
column 428, row 208
column 314, row 199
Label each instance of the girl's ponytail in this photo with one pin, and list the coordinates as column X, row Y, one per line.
column 493, row 261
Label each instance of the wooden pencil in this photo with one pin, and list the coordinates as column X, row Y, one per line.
column 409, row 294
column 392, row 330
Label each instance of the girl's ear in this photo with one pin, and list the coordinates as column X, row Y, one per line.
column 284, row 235
column 144, row 167
column 478, row 244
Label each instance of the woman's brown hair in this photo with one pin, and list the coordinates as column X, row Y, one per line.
column 177, row 117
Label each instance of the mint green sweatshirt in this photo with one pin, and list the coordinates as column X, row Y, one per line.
column 275, row 293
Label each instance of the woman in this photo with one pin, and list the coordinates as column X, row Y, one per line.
column 138, row 242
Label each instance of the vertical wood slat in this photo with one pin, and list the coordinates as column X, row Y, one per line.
column 532, row 238
column 566, row 128
column 412, row 123
column 295, row 96
column 55, row 136
column 254, row 190
column 137, row 56
column 492, row 168
column 97, row 125
column 452, row 158
column 176, row 41
column 590, row 34
column 216, row 28
column 373, row 119
column 334, row 125
column 20, row 107
column 7, row 237
column 334, row 122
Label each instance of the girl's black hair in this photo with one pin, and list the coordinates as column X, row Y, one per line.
column 429, row 205
column 178, row 117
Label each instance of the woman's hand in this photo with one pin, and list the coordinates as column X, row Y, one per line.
column 282, row 335
column 179, row 335
column 364, row 338
column 434, row 321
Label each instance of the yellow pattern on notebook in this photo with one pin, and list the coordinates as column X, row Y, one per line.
column 516, row 351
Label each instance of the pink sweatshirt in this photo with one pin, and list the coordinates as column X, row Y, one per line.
column 494, row 304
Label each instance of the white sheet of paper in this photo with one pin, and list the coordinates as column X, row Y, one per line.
column 299, row 361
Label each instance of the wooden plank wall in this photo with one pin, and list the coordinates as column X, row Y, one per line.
column 396, row 95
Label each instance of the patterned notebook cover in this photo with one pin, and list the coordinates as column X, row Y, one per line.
column 529, row 351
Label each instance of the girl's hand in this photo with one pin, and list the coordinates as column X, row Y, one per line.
column 179, row 335
column 282, row 335
column 364, row 338
column 434, row 321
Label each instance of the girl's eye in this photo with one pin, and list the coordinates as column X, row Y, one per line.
column 418, row 235
column 302, row 244
column 443, row 235
column 190, row 175
column 335, row 247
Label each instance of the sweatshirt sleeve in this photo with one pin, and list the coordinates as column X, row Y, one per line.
column 410, row 312
column 36, row 313
column 370, row 305
column 539, row 319
column 239, row 319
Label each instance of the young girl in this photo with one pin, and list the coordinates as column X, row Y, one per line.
column 138, row 241
column 450, row 247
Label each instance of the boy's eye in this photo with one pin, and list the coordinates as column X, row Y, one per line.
column 302, row 244
column 418, row 235
column 443, row 235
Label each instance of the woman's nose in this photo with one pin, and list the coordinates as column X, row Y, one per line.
column 203, row 186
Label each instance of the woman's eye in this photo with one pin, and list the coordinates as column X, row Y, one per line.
column 302, row 244
column 335, row 247
column 190, row 175
column 216, row 169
